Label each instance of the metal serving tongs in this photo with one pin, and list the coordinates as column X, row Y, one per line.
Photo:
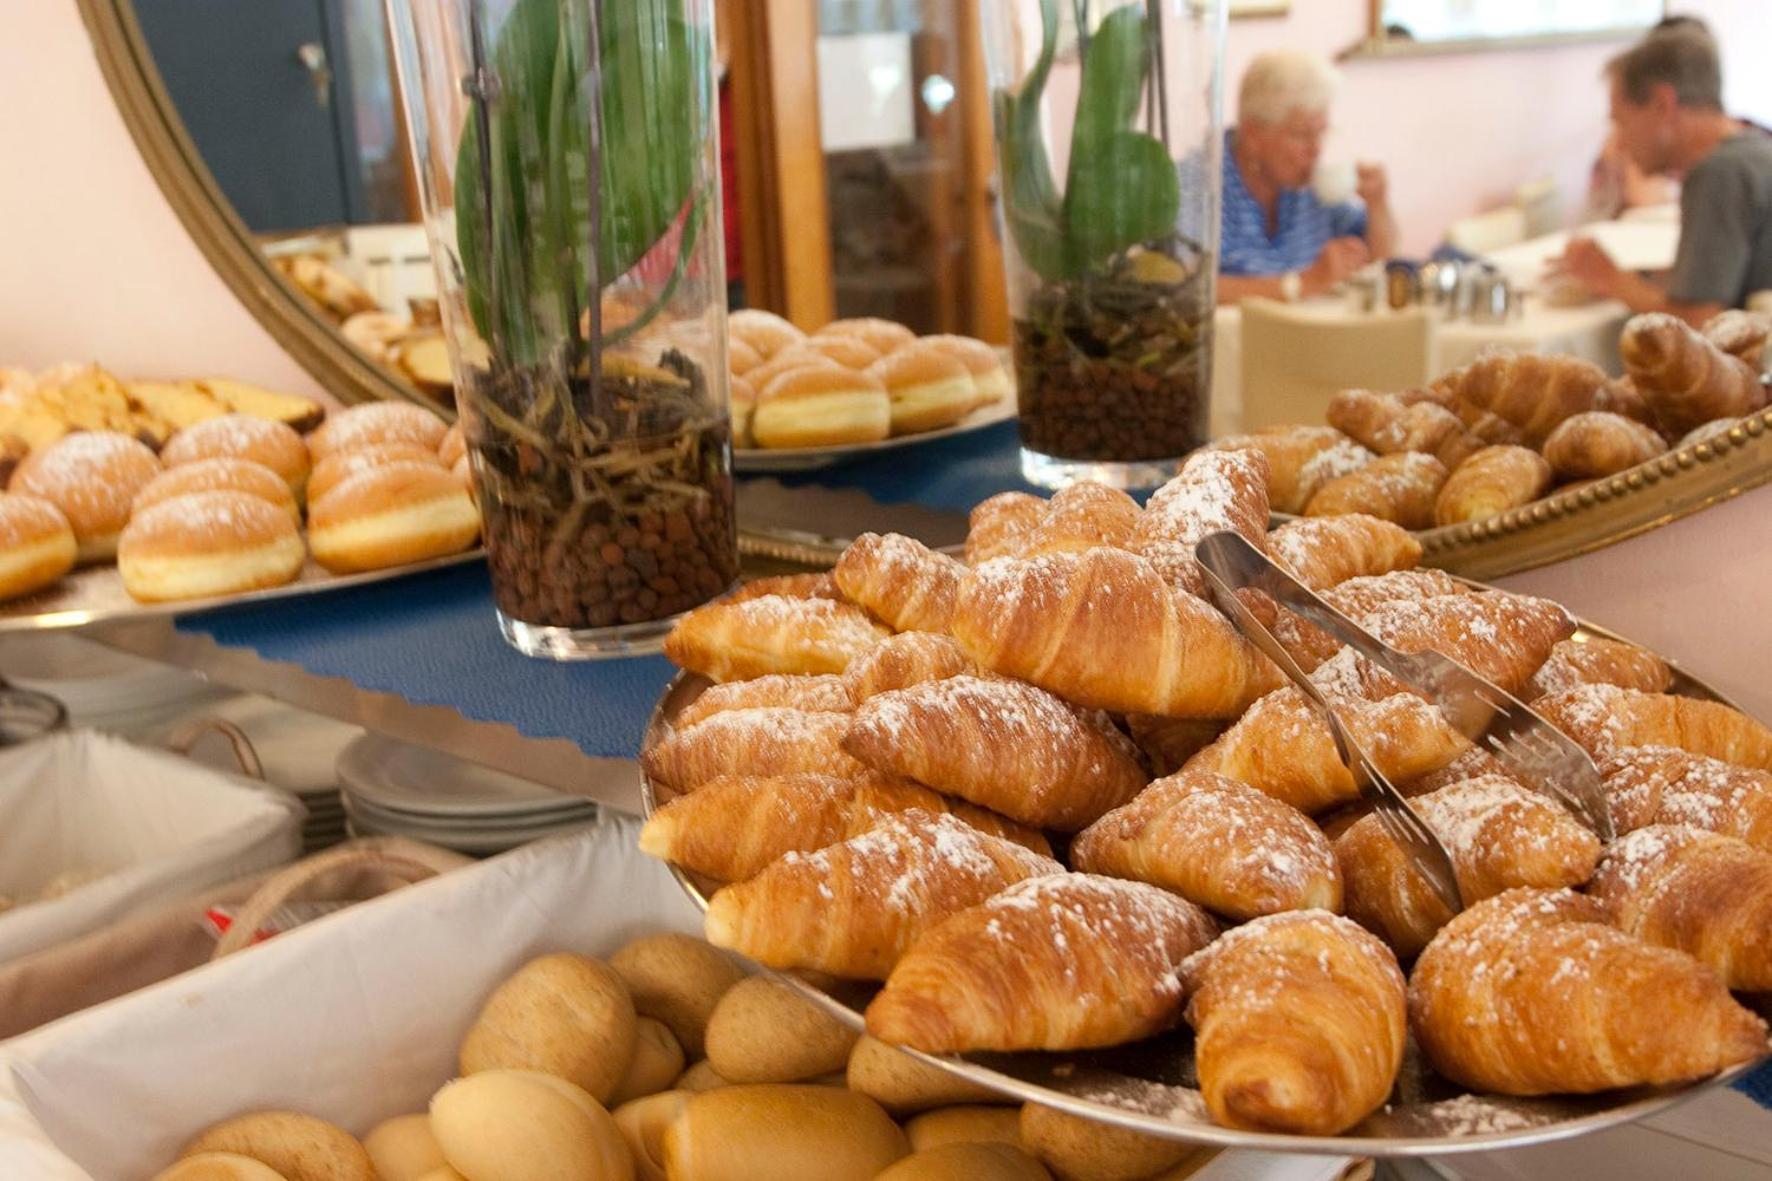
column 1226, row 570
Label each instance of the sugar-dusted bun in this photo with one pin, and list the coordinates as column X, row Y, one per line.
column 744, row 404
column 453, row 446
column 741, row 357
column 850, row 350
column 377, row 422
column 884, row 335
column 36, row 544
column 241, row 436
column 92, row 477
column 821, row 406
column 297, row 1146
column 390, row 517
column 220, row 1166
column 218, row 475
column 928, row 388
column 205, row 544
column 764, row 332
column 340, row 466
column 988, row 375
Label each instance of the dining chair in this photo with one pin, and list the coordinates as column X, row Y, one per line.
column 1482, row 232
column 1296, row 359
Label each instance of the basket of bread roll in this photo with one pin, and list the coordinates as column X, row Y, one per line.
column 1046, row 805
column 1486, row 444
column 854, row 386
column 187, row 490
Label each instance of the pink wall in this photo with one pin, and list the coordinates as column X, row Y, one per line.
column 1460, row 132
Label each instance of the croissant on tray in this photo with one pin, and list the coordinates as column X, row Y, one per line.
column 1604, row 719
column 1081, row 516
column 752, row 742
column 1300, row 458
column 1216, row 491
column 1535, row 392
column 1323, row 551
column 907, row 659
column 1491, row 482
column 1593, row 660
column 825, row 692
column 1687, row 380
column 737, row 640
column 998, row 526
column 1400, row 488
column 1661, row 785
column 899, row 580
column 1387, row 424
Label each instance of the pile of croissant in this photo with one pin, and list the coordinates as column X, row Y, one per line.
column 1511, row 427
column 894, row 756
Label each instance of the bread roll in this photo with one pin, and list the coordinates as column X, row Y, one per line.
column 741, row 358
column 208, row 544
column 340, row 466
column 643, row 1123
column 453, row 446
column 677, row 979
column 968, row 1162
column 443, row 1174
column 1078, row 1149
column 403, row 1148
column 927, row 386
column 884, row 335
column 777, row 1132
column 517, row 1125
column 219, row 1166
column 989, row 379
column 701, row 1077
column 902, row 1084
column 218, row 475
column 969, row 1124
column 765, row 332
column 656, row 1063
column 36, row 544
column 561, row 1014
column 821, row 407
column 391, row 516
column 851, row 352
column 242, row 436
column 763, row 1032
column 744, row 404
column 298, row 1146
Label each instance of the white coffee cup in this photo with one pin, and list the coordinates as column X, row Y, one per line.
column 1335, row 181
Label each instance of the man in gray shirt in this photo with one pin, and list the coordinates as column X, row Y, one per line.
column 1668, row 111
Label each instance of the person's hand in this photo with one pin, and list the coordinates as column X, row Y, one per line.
column 1340, row 258
column 1373, row 185
column 1585, row 261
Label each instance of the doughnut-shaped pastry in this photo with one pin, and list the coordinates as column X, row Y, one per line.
column 989, row 379
column 92, row 477
column 340, row 466
column 928, row 387
column 377, row 422
column 218, row 475
column 391, row 517
column 36, row 544
column 851, row 352
column 241, row 436
column 764, row 332
column 884, row 335
column 205, row 544
column 821, row 406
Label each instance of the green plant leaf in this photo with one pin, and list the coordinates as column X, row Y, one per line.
column 1128, row 192
column 1031, row 206
column 1113, row 80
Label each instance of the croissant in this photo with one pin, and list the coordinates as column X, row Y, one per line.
column 730, row 828
column 1498, row 835
column 1102, row 629
column 1323, row 552
column 1282, row 746
column 907, row 659
column 1299, row 1022
column 1002, row 745
column 1706, row 433
column 1592, row 660
column 1216, row 842
column 1741, row 334
column 1533, row 993
column 1703, row 893
column 1533, row 391
column 998, row 526
column 789, row 586
column 1500, row 636
column 826, row 692
column 851, row 909
column 1620, row 396
column 1387, row 424
column 1167, row 743
column 1082, row 516
column 1300, row 459
column 1596, row 444
column 1489, row 429
column 1686, row 379
column 1490, row 483
column 1399, row 488
column 899, row 580
column 1064, row 962
column 734, row 641
column 1604, row 719
column 1660, row 785
column 1215, row 491
column 751, row 742
column 1470, row 764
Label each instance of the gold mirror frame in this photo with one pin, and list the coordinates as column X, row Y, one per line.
column 159, row 133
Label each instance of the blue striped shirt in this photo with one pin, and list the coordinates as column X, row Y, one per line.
column 1303, row 225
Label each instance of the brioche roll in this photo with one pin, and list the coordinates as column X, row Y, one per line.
column 821, row 406
column 990, row 381
column 36, row 544
column 340, row 466
column 928, row 387
column 377, row 422
column 392, row 517
column 241, row 436
column 208, row 543
column 92, row 477
column 218, row 475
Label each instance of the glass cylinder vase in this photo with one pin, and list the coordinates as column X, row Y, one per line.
column 568, row 169
column 1108, row 118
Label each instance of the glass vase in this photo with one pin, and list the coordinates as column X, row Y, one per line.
column 1108, row 120
column 567, row 162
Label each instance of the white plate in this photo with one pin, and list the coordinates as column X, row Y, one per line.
column 806, row 459
column 416, row 781
column 475, row 844
column 355, row 808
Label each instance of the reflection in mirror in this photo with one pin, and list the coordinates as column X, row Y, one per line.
column 294, row 109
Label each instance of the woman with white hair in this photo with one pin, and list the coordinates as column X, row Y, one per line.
column 1280, row 239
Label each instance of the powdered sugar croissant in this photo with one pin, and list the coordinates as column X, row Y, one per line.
column 907, row 659
column 775, row 691
column 752, row 742
column 1216, row 491
column 998, row 526
column 733, row 641
column 1662, row 785
column 1081, row 516
column 1301, row 459
column 1605, row 719
column 899, row 580
column 1323, row 551
column 1593, row 660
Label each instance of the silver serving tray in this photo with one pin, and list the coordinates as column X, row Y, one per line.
column 95, row 594
column 750, row 460
column 1150, row 1086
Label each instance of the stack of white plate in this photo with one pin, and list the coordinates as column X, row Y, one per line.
column 104, row 689
column 392, row 789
